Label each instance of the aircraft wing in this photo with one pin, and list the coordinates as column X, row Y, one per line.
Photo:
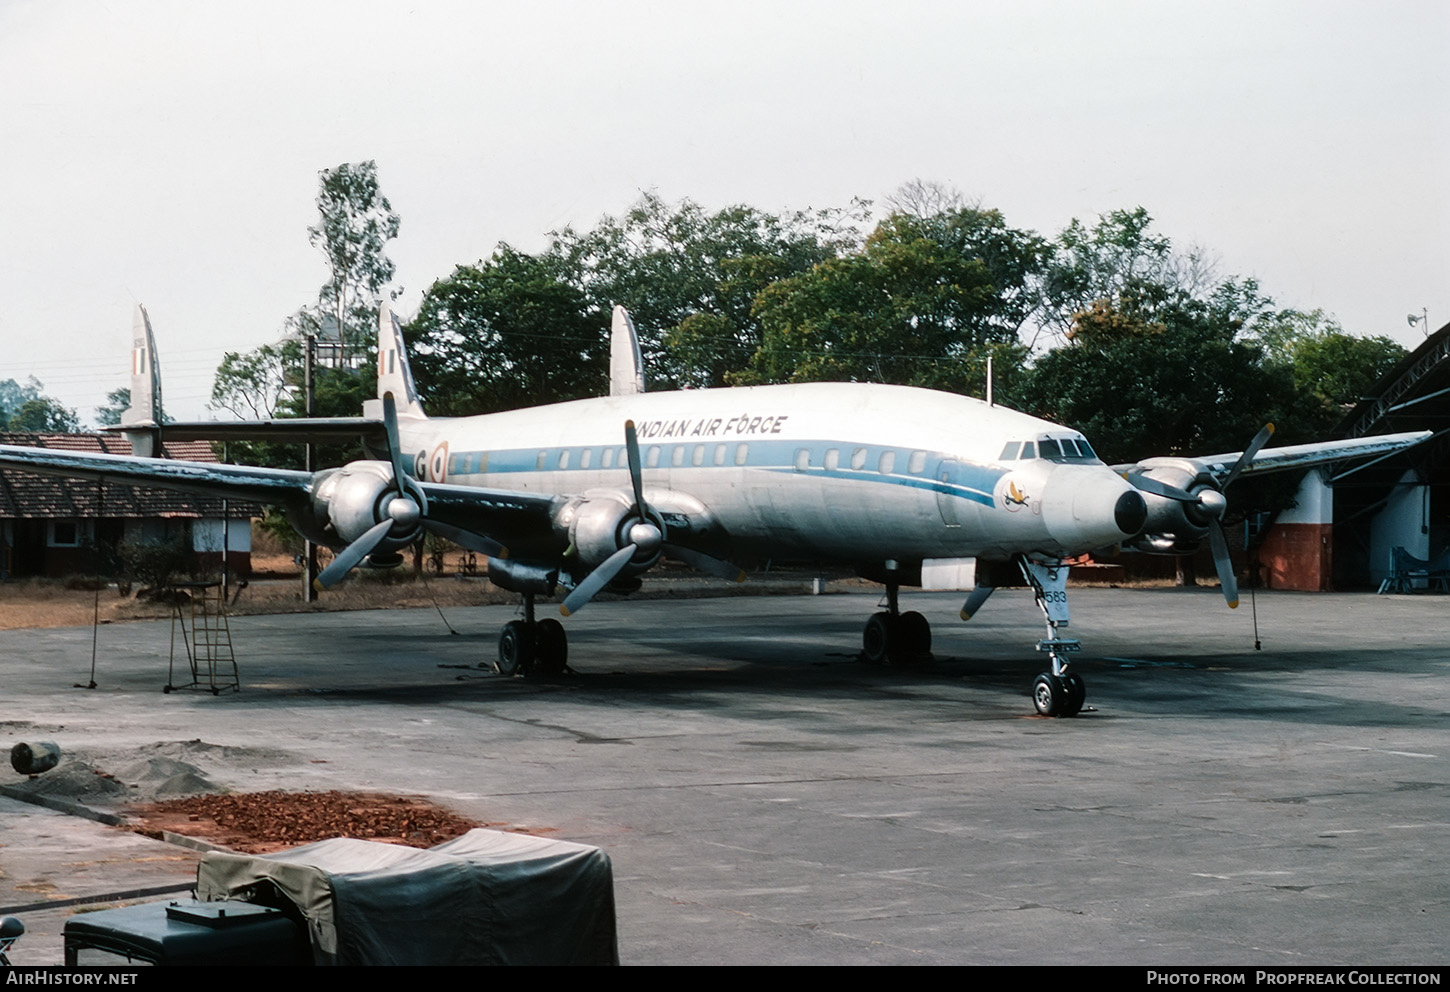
column 262, row 485
column 1294, row 456
column 511, row 515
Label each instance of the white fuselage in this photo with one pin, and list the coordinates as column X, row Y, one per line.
column 838, row 470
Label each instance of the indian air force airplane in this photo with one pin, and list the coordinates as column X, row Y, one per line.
column 912, row 487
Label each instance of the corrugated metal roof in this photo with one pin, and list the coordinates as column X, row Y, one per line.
column 24, row 495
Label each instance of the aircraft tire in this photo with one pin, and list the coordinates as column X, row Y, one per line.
column 515, row 648
column 551, row 647
column 877, row 638
column 914, row 633
column 1075, row 694
column 1048, row 694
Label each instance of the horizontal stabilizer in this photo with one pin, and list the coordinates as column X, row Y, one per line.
column 302, row 430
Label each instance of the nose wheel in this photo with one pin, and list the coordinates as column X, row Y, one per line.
column 1058, row 695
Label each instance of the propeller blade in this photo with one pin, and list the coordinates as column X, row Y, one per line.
column 636, row 474
column 1224, row 564
column 395, row 454
column 468, row 539
column 704, row 563
column 390, row 422
column 351, row 555
column 1260, row 439
column 1148, row 484
column 597, row 580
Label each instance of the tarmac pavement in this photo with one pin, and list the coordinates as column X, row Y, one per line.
column 767, row 798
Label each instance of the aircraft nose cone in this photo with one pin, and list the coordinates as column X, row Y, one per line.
column 1131, row 513
column 1091, row 507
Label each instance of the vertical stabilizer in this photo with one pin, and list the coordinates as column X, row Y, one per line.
column 394, row 375
column 626, row 365
column 144, row 413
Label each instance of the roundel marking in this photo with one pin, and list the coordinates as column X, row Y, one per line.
column 439, row 465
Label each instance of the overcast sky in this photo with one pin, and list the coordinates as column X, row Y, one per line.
column 167, row 153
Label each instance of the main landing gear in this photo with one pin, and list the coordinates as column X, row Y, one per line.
column 896, row 638
column 1058, row 692
column 532, row 647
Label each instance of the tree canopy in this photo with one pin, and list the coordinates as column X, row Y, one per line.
column 1106, row 327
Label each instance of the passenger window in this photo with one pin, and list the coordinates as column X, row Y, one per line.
column 1009, row 453
column 677, row 456
column 541, row 460
column 887, row 464
column 584, row 457
column 698, row 458
column 917, row 464
column 742, row 452
column 564, row 458
column 652, row 460
column 802, row 459
column 720, row 450
column 833, row 458
column 858, row 459
column 607, row 461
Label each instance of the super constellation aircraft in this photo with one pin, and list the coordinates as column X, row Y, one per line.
column 911, row 486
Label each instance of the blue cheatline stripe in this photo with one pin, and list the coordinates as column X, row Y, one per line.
column 970, row 482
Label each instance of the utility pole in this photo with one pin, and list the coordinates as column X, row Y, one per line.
column 309, row 550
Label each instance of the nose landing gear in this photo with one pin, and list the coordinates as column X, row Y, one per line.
column 1058, row 692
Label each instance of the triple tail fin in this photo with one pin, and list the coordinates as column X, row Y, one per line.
column 626, row 365
column 394, row 375
column 141, row 422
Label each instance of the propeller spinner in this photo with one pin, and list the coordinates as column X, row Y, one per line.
column 643, row 539
column 1205, row 506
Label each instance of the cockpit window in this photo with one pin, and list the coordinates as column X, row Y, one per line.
column 1057, row 449
column 1066, row 449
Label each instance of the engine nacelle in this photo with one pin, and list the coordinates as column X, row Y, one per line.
column 601, row 523
column 349, row 501
column 1176, row 527
column 523, row 577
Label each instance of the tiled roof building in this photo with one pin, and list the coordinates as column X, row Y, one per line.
column 48, row 523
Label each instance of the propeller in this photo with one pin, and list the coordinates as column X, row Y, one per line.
column 404, row 513
column 646, row 537
column 1210, row 503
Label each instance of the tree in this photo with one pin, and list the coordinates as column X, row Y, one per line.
column 1087, row 264
column 253, row 386
column 1156, row 371
column 118, row 401
column 27, row 408
column 13, row 396
column 924, row 302
column 506, row 333
column 690, row 277
column 44, row 416
column 356, row 224
column 1332, row 369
